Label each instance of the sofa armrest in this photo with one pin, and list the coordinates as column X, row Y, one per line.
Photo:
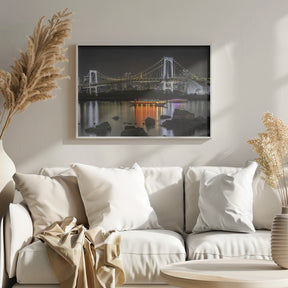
column 18, row 234
column 3, row 274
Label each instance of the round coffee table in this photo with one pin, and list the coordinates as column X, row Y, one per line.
column 240, row 273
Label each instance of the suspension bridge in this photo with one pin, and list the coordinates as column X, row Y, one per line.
column 166, row 75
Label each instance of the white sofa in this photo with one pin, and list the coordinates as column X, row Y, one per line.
column 173, row 194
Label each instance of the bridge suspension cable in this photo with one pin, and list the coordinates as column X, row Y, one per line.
column 148, row 73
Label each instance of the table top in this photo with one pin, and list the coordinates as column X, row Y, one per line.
column 234, row 273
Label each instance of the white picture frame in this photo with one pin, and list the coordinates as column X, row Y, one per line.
column 143, row 91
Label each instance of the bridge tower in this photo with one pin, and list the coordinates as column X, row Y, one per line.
column 168, row 72
column 93, row 80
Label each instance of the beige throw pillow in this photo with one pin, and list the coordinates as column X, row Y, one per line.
column 51, row 199
column 115, row 199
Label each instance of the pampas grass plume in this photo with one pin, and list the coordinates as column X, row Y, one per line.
column 34, row 74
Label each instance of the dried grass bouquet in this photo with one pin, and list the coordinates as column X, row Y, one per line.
column 272, row 148
column 34, row 74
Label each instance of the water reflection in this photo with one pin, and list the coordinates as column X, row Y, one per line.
column 122, row 113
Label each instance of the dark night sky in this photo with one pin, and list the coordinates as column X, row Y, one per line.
column 116, row 60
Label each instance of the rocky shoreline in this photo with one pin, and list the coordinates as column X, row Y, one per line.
column 184, row 123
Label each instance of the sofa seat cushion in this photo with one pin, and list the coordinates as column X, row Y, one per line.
column 143, row 253
column 33, row 266
column 220, row 245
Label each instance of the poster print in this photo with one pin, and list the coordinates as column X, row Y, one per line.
column 143, row 91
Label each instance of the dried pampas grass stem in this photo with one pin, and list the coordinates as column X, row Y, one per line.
column 272, row 148
column 34, row 74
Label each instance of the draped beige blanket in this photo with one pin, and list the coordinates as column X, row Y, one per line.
column 83, row 258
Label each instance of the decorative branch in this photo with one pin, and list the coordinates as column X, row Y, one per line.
column 34, row 74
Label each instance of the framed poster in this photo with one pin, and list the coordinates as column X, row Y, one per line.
column 143, row 91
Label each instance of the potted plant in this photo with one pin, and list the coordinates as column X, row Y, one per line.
column 272, row 148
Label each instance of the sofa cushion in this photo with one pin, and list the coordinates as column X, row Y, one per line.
column 263, row 195
column 226, row 201
column 51, row 199
column 143, row 252
column 54, row 171
column 160, row 183
column 220, row 245
column 115, row 198
column 164, row 186
column 192, row 184
column 33, row 266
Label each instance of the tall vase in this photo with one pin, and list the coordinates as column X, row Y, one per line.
column 7, row 170
column 279, row 239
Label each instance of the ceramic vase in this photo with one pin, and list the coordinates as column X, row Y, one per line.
column 7, row 170
column 279, row 239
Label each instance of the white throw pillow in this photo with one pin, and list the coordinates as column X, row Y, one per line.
column 226, row 201
column 114, row 198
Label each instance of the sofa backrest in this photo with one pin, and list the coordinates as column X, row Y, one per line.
column 266, row 201
column 165, row 189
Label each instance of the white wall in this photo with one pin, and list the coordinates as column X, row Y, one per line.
column 249, row 72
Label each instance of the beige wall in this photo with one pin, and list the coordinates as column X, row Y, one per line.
column 249, row 70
